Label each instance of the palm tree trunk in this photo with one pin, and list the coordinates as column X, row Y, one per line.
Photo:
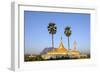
column 52, row 42
column 68, row 44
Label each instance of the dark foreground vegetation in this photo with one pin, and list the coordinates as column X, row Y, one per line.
column 28, row 58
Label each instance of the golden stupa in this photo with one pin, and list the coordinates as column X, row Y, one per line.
column 61, row 50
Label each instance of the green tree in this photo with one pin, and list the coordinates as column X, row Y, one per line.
column 52, row 30
column 68, row 32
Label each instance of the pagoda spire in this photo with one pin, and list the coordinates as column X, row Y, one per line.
column 61, row 39
column 61, row 44
column 75, row 45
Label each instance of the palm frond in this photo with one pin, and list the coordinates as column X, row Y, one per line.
column 52, row 28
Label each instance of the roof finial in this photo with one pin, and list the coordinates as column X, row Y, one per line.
column 61, row 38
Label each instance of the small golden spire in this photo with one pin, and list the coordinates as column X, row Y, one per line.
column 61, row 44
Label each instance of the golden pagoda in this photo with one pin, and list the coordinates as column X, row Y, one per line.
column 60, row 51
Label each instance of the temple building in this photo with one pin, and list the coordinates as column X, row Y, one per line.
column 62, row 51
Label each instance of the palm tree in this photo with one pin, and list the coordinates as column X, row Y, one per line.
column 52, row 30
column 68, row 32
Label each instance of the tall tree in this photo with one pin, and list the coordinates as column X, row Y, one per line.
column 68, row 32
column 52, row 30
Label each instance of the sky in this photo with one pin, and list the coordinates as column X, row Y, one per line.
column 37, row 37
